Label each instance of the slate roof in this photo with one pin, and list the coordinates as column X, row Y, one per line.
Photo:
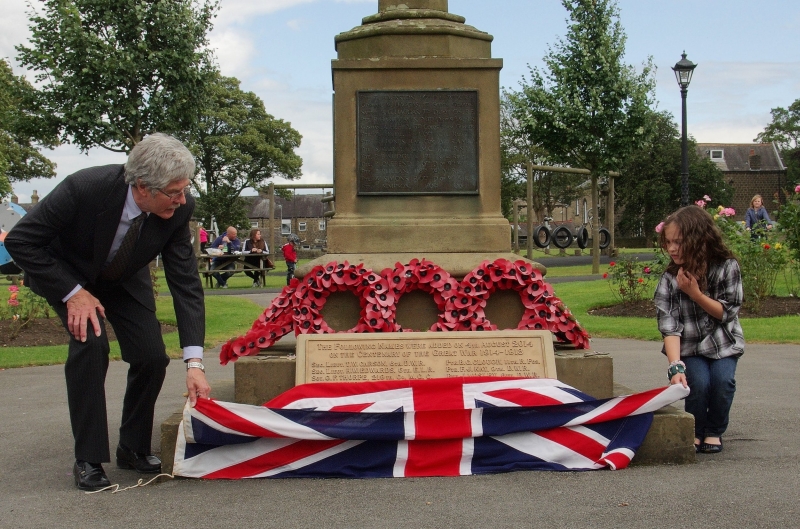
column 743, row 156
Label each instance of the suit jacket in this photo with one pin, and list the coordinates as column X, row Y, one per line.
column 65, row 239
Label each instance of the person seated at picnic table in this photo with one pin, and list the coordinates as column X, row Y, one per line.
column 256, row 245
column 229, row 244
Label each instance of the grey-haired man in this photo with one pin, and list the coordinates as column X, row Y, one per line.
column 86, row 248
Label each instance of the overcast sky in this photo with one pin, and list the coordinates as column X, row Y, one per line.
column 747, row 56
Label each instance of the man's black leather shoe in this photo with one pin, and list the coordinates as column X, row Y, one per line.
column 89, row 476
column 142, row 463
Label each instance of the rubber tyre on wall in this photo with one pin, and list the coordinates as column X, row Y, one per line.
column 562, row 237
column 541, row 236
column 582, row 237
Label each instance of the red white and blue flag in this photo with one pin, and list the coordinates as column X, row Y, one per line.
column 412, row 428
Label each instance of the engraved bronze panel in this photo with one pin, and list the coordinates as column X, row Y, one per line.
column 417, row 142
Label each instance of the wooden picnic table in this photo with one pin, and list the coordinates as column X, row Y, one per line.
column 240, row 265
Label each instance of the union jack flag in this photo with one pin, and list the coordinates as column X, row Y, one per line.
column 412, row 428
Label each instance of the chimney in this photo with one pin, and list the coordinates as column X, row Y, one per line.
column 14, row 199
column 34, row 197
column 755, row 160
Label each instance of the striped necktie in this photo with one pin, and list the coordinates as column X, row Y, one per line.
column 122, row 259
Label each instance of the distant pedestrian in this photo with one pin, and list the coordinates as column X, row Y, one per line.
column 203, row 237
column 290, row 255
column 698, row 300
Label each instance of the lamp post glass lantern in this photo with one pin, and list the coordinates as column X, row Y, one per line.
column 684, row 69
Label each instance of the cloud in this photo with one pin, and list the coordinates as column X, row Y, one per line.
column 13, row 29
column 730, row 101
column 234, row 50
column 296, row 24
column 240, row 11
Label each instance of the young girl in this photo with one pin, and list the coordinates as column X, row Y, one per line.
column 698, row 299
column 756, row 218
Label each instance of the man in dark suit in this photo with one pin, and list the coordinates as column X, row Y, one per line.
column 86, row 248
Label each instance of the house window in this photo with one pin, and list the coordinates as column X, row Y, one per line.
column 301, row 226
column 286, row 227
column 322, row 225
column 718, row 154
column 254, row 224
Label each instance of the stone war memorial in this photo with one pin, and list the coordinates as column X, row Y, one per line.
column 418, row 242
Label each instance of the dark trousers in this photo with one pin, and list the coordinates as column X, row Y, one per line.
column 290, row 267
column 139, row 336
column 222, row 264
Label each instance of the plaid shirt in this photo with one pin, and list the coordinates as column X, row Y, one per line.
column 700, row 333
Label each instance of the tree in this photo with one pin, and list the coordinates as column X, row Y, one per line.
column 649, row 187
column 516, row 150
column 113, row 71
column 20, row 132
column 589, row 109
column 238, row 145
column 785, row 132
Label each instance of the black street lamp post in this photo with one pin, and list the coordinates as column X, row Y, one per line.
column 683, row 73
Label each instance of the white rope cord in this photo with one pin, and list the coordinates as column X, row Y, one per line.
column 115, row 486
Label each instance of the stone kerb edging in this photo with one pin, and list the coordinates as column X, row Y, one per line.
column 461, row 304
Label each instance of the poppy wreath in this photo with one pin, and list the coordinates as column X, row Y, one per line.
column 416, row 275
column 543, row 310
column 461, row 305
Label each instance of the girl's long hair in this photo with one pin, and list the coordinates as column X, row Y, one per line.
column 260, row 244
column 702, row 243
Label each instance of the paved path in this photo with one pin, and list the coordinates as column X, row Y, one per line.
column 753, row 483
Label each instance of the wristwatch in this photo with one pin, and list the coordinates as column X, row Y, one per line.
column 198, row 365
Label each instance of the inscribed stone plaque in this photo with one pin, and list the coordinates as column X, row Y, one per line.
column 420, row 355
column 417, row 142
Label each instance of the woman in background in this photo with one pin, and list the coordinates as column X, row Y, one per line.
column 255, row 245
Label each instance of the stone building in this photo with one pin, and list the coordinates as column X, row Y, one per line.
column 751, row 169
column 302, row 215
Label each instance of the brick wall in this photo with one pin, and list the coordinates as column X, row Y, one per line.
column 747, row 184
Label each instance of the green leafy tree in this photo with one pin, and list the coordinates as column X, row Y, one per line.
column 588, row 109
column 785, row 132
column 113, row 71
column 238, row 145
column 649, row 186
column 549, row 189
column 20, row 133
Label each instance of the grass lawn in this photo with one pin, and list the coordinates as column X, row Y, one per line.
column 583, row 296
column 229, row 316
column 226, row 317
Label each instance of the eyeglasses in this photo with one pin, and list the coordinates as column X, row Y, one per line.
column 172, row 196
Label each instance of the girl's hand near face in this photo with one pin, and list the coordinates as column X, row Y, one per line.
column 688, row 283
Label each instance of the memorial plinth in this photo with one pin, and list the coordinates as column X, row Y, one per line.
column 421, row 355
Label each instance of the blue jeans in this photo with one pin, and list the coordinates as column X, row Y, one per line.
column 222, row 278
column 712, row 386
